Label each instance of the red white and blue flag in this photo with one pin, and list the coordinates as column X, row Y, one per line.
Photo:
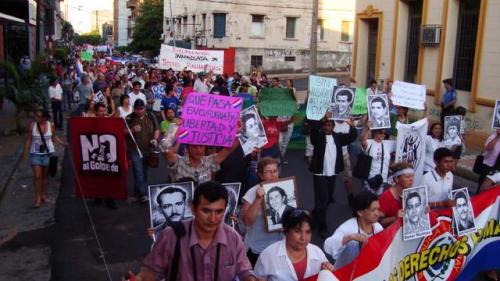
column 443, row 255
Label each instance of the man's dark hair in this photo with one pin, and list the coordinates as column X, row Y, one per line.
column 280, row 190
column 210, row 190
column 344, row 92
column 379, row 99
column 362, row 201
column 448, row 81
column 276, row 79
column 136, row 83
column 441, row 153
column 462, row 195
column 373, row 81
column 413, row 195
column 52, row 80
column 98, row 105
column 460, row 110
column 294, row 218
column 171, row 190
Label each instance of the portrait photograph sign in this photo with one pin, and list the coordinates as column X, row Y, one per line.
column 378, row 111
column 342, row 102
column 169, row 203
column 452, row 128
column 280, row 196
column 233, row 190
column 408, row 95
column 210, row 119
column 252, row 134
column 416, row 221
column 320, row 95
column 496, row 116
column 463, row 214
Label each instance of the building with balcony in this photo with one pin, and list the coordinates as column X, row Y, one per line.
column 272, row 35
column 424, row 42
column 121, row 22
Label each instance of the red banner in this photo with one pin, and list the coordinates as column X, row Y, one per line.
column 99, row 154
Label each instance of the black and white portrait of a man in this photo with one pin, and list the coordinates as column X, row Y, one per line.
column 342, row 102
column 230, row 215
column 416, row 222
column 280, row 197
column 378, row 111
column 462, row 212
column 169, row 203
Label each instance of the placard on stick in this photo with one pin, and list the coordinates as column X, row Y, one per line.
column 408, row 95
column 210, row 119
column 320, row 95
column 277, row 102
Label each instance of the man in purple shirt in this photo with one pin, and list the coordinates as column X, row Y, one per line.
column 209, row 250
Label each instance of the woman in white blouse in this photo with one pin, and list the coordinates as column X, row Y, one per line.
column 434, row 141
column 125, row 109
column 348, row 239
column 292, row 258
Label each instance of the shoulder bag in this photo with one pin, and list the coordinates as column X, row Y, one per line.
column 363, row 165
column 52, row 158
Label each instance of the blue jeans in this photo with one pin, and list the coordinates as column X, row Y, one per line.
column 140, row 174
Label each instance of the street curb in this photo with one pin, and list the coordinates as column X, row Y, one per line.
column 6, row 181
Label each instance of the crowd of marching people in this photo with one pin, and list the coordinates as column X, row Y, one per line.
column 150, row 101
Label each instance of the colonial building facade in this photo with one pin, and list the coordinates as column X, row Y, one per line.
column 424, row 42
column 272, row 35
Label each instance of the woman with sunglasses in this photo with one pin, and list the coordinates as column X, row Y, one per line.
column 346, row 242
column 294, row 257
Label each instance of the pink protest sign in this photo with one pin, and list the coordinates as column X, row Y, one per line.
column 210, row 119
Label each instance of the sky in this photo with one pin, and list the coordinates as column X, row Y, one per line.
column 79, row 12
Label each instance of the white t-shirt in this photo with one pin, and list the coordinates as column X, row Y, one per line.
column 275, row 265
column 124, row 113
column 330, row 157
column 256, row 237
column 438, row 188
column 55, row 92
column 134, row 97
column 495, row 178
column 333, row 244
column 374, row 149
column 431, row 145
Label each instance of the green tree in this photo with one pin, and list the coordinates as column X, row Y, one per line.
column 92, row 38
column 148, row 27
column 24, row 90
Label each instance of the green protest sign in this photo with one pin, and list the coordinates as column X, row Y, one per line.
column 86, row 56
column 277, row 102
column 360, row 106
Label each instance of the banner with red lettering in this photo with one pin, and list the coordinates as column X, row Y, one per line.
column 99, row 152
column 443, row 255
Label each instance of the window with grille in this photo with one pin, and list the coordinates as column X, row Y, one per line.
column 468, row 19
column 219, row 25
column 289, row 58
column 257, row 25
column 321, row 29
column 346, row 31
column 256, row 61
column 290, row 27
column 412, row 40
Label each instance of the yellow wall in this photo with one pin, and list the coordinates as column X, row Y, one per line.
column 436, row 63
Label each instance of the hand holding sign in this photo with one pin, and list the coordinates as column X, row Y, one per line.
column 210, row 119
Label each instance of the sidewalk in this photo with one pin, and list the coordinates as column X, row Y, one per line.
column 25, row 233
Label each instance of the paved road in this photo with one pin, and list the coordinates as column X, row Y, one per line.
column 122, row 232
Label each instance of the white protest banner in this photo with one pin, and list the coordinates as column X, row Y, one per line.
column 194, row 60
column 408, row 95
column 411, row 146
column 320, row 95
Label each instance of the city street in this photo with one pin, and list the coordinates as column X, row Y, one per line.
column 122, row 232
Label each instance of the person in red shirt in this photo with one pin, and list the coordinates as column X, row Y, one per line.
column 390, row 200
column 272, row 128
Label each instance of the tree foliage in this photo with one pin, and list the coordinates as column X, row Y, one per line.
column 148, row 27
column 24, row 90
column 92, row 38
column 67, row 32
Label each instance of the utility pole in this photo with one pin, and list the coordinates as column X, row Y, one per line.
column 313, row 62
